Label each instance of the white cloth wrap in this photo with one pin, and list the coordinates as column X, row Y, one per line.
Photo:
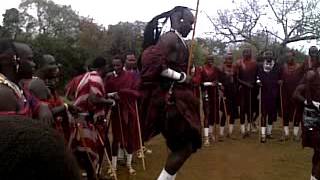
column 207, row 84
column 172, row 74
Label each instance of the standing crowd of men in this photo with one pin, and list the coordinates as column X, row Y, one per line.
column 114, row 108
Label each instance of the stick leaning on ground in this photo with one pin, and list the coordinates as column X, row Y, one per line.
column 281, row 104
column 140, row 137
column 114, row 174
column 225, row 111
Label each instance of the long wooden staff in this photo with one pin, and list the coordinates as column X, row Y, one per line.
column 225, row 111
column 120, row 121
column 281, row 104
column 140, row 137
column 215, row 112
column 106, row 154
column 192, row 41
column 104, row 147
column 250, row 108
column 260, row 119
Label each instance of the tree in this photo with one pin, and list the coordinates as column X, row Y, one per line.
column 11, row 24
column 92, row 37
column 239, row 24
column 298, row 20
column 125, row 37
column 51, row 19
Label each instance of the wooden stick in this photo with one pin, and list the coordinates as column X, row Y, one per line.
column 107, row 120
column 250, row 109
column 192, row 41
column 140, row 137
column 216, row 112
column 260, row 119
column 120, row 120
column 225, row 111
column 106, row 154
column 281, row 104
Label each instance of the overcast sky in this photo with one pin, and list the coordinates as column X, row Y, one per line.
column 112, row 11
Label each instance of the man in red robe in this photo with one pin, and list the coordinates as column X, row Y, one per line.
column 228, row 80
column 209, row 88
column 308, row 93
column 131, row 64
column 268, row 78
column 247, row 74
column 90, row 100
column 124, row 115
column 290, row 76
column 49, row 74
column 168, row 103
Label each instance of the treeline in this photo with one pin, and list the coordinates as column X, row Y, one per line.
column 75, row 40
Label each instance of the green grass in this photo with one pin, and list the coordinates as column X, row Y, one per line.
column 240, row 159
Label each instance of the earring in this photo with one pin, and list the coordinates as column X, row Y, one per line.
column 181, row 20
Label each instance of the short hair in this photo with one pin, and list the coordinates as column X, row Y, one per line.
column 313, row 49
column 22, row 49
column 118, row 56
column 98, row 62
column 6, row 46
column 32, row 150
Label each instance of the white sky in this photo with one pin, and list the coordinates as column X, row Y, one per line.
column 113, row 11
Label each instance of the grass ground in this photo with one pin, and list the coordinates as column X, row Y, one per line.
column 240, row 159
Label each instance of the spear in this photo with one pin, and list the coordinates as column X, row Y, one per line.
column 192, row 40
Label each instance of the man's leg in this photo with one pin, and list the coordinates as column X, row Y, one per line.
column 285, row 117
column 223, row 123
column 115, row 147
column 297, row 121
column 316, row 164
column 175, row 161
column 206, row 128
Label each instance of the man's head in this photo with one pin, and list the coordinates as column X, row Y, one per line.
column 48, row 60
column 131, row 62
column 313, row 52
column 182, row 20
column 99, row 64
column 49, row 70
column 268, row 56
column 117, row 64
column 24, row 51
column 269, row 60
column 290, row 57
column 228, row 59
column 32, row 150
column 209, row 59
column 247, row 53
column 27, row 65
